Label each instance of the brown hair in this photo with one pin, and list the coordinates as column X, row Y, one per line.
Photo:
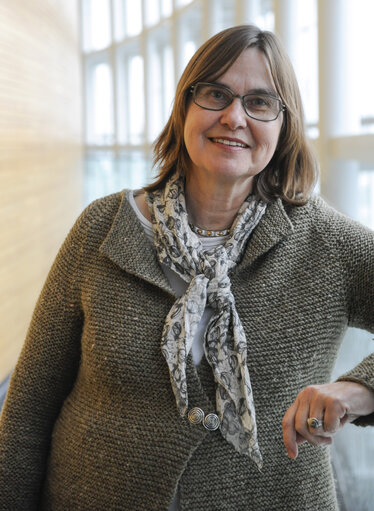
column 292, row 172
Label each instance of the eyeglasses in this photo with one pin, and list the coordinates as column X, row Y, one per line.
column 213, row 96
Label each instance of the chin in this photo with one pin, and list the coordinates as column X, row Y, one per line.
column 235, row 172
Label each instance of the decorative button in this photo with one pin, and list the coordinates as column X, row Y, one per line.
column 196, row 416
column 211, row 422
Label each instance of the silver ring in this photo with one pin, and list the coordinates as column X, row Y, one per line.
column 314, row 423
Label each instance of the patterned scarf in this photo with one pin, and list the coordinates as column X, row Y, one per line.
column 225, row 343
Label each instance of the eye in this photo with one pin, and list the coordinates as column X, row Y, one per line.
column 212, row 96
column 218, row 94
column 258, row 102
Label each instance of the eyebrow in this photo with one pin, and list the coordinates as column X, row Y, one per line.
column 259, row 90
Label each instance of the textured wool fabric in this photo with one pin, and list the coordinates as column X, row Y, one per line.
column 208, row 274
column 90, row 421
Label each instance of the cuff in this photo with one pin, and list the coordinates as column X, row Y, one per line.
column 363, row 420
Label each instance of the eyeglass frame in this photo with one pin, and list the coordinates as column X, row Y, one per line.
column 282, row 106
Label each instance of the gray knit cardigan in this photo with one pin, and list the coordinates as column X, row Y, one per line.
column 90, row 421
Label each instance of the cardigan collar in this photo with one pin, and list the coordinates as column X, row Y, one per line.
column 127, row 245
column 273, row 227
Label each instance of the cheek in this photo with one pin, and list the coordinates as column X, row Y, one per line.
column 198, row 122
column 193, row 135
column 275, row 139
column 187, row 134
column 268, row 138
column 189, row 138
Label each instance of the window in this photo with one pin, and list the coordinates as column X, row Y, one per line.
column 361, row 43
column 306, row 60
column 181, row 3
column 107, row 172
column 130, row 95
column 157, row 10
column 96, row 24
column 223, row 15
column 127, row 19
column 190, row 35
column 99, row 103
column 366, row 196
column 161, row 81
column 265, row 17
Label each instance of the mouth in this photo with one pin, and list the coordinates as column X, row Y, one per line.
column 232, row 143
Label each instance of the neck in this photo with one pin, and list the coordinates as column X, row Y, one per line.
column 213, row 206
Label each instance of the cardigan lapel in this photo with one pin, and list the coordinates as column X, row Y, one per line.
column 128, row 246
column 272, row 228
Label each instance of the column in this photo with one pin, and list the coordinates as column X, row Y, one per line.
column 144, row 48
column 113, row 65
column 285, row 24
column 176, row 44
column 247, row 11
column 339, row 178
column 208, row 26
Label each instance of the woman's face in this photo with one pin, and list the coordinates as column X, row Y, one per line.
column 206, row 131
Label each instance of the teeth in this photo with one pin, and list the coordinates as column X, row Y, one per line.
column 228, row 142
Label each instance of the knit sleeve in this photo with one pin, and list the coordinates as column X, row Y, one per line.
column 358, row 257
column 43, row 377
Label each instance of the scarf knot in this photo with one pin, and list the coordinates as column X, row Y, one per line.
column 219, row 294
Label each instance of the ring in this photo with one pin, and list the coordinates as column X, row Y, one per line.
column 314, row 423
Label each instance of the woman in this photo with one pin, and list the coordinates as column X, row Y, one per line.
column 248, row 282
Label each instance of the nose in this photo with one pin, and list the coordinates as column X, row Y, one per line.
column 234, row 115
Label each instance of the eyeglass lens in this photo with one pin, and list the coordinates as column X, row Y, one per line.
column 217, row 97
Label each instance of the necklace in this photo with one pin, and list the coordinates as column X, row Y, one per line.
column 209, row 233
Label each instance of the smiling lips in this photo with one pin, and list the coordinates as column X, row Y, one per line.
column 233, row 143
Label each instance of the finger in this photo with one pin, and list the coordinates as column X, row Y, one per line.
column 334, row 414
column 317, row 439
column 289, row 431
column 301, row 417
column 316, row 411
column 309, row 407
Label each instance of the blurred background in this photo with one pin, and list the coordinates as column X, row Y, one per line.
column 86, row 86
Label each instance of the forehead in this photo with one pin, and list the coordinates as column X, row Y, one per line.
column 249, row 71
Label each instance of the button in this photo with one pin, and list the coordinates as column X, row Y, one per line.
column 211, row 422
column 196, row 416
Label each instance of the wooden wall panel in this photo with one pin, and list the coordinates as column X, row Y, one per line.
column 40, row 153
